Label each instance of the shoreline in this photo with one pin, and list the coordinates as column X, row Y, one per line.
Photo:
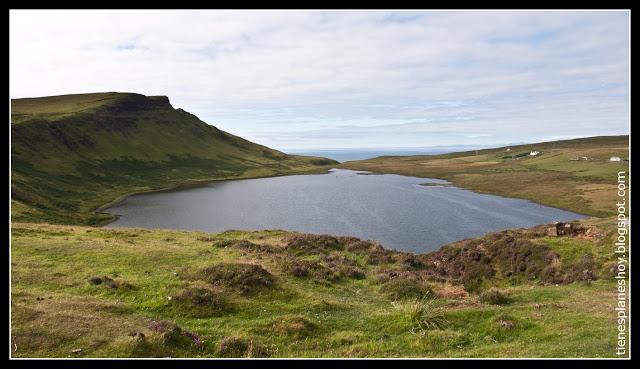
column 452, row 184
column 185, row 185
column 201, row 183
column 385, row 247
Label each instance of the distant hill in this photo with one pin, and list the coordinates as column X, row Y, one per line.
column 576, row 174
column 71, row 154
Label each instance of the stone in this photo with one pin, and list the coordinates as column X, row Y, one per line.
column 506, row 324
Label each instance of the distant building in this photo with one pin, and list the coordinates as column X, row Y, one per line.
column 534, row 153
column 615, row 158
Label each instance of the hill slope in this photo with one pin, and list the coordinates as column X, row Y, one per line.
column 559, row 176
column 71, row 154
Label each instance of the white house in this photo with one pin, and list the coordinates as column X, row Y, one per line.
column 615, row 158
column 534, row 153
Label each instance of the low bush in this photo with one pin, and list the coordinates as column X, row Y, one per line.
column 295, row 326
column 425, row 314
column 494, row 296
column 305, row 243
column 404, row 288
column 201, row 301
column 240, row 277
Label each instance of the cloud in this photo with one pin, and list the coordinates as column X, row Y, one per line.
column 296, row 78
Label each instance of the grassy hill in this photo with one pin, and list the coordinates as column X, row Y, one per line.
column 99, row 292
column 80, row 291
column 559, row 176
column 72, row 154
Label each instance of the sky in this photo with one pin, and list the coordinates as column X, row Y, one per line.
column 296, row 80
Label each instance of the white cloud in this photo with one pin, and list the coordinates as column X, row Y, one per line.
column 293, row 79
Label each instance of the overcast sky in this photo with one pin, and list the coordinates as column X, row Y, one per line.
column 304, row 80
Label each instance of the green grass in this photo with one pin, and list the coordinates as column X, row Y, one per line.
column 55, row 310
column 552, row 178
column 72, row 154
column 309, row 296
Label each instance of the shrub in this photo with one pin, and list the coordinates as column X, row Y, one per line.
column 208, row 239
column 379, row 256
column 201, row 301
column 172, row 335
column 450, row 291
column 295, row 326
column 244, row 245
column 551, row 274
column 304, row 268
column 494, row 296
column 232, row 347
column 425, row 314
column 583, row 270
column 343, row 267
column 95, row 280
column 256, row 350
column 110, row 282
column 312, row 243
column 411, row 261
column 243, row 278
column 238, row 347
column 359, row 245
column 403, row 288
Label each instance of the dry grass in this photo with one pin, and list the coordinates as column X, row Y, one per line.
column 55, row 310
column 551, row 179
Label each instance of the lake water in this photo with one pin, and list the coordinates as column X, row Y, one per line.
column 396, row 210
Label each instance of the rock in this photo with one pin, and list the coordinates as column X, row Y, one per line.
column 76, row 351
column 588, row 275
column 506, row 324
column 138, row 336
column 564, row 229
column 552, row 232
column 95, row 280
column 109, row 282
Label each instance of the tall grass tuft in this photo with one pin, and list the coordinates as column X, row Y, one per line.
column 425, row 313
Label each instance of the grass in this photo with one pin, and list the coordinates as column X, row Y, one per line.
column 72, row 154
column 81, row 291
column 494, row 296
column 553, row 178
column 263, row 310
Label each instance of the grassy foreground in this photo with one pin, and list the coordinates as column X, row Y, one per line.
column 98, row 292
column 574, row 175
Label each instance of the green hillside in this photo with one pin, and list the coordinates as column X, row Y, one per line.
column 72, row 154
column 572, row 174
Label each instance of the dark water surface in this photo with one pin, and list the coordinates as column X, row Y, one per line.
column 395, row 210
